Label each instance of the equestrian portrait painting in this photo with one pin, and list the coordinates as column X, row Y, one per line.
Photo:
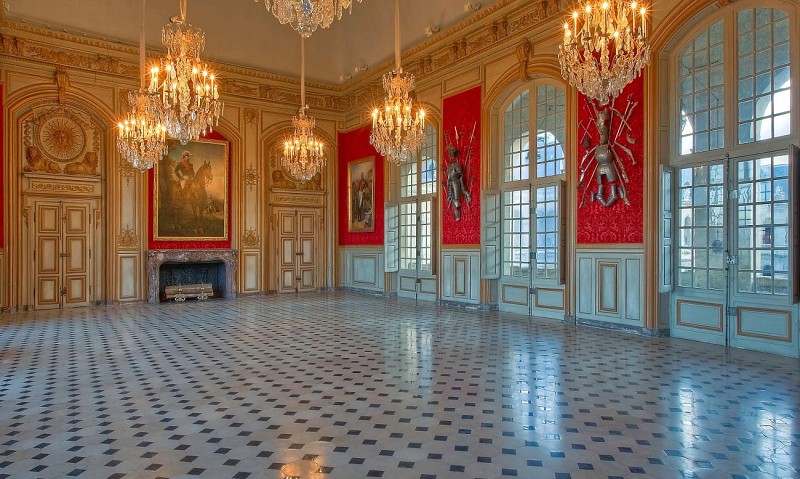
column 191, row 194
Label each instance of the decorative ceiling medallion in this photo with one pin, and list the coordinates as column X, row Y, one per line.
column 62, row 138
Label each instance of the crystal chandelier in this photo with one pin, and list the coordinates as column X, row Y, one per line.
column 141, row 138
column 303, row 154
column 189, row 97
column 605, row 48
column 306, row 15
column 398, row 133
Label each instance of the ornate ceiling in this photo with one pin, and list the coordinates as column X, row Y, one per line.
column 243, row 33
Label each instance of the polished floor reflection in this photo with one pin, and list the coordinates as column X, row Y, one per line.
column 372, row 387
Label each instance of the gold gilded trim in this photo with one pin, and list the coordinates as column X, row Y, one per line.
column 127, row 239
column 61, row 187
column 251, row 239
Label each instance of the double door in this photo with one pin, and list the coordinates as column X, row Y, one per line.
column 62, row 253
column 417, row 255
column 733, row 252
column 533, row 247
column 297, row 240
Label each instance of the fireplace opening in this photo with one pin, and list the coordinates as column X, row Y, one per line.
column 190, row 277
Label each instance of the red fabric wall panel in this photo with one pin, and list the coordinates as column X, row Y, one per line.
column 462, row 113
column 355, row 145
column 619, row 223
column 152, row 244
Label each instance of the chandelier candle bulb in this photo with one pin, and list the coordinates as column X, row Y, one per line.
column 607, row 50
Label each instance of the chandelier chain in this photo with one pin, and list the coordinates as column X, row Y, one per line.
column 142, row 136
column 398, row 132
column 303, row 154
column 188, row 90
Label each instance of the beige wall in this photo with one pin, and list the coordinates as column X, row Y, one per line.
column 498, row 48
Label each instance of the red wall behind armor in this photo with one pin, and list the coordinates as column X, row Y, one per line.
column 152, row 244
column 618, row 223
column 355, row 145
column 462, row 112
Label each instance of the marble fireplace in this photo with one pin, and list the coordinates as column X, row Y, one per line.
column 216, row 266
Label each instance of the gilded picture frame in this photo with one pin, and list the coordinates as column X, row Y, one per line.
column 361, row 195
column 190, row 201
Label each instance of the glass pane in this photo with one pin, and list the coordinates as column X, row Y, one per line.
column 701, row 75
column 551, row 130
column 516, row 143
column 763, row 53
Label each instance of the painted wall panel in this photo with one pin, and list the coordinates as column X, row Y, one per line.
column 633, row 289
column 362, row 268
column 128, row 277
column 609, row 285
column 699, row 315
column 251, row 272
column 461, row 276
column 766, row 324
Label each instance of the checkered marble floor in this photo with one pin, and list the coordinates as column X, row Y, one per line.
column 372, row 387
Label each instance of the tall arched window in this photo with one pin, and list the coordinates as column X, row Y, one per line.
column 733, row 175
column 533, row 163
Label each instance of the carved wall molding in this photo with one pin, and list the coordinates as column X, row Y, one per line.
column 61, row 187
column 14, row 44
column 521, row 21
column 32, row 50
column 250, row 116
column 444, row 49
column 128, row 239
column 61, row 140
column 523, row 57
column 300, row 200
column 62, row 83
column 251, row 176
column 251, row 239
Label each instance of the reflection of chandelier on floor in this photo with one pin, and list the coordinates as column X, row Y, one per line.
column 398, row 133
column 306, row 15
column 141, row 138
column 605, row 47
column 303, row 154
column 189, row 97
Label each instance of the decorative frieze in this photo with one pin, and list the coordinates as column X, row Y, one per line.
column 60, row 187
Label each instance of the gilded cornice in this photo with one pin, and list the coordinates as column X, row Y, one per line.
column 486, row 29
column 451, row 46
column 25, row 47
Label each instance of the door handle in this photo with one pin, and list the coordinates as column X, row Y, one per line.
column 64, row 255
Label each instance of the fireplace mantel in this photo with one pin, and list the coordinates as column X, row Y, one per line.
column 155, row 258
